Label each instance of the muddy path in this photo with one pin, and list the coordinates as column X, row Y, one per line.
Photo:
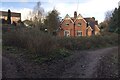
column 87, row 67
column 82, row 64
column 11, row 69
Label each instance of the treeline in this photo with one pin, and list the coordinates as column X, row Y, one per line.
column 112, row 21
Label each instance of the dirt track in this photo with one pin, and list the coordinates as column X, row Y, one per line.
column 82, row 64
column 87, row 67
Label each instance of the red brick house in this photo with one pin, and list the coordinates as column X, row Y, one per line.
column 78, row 26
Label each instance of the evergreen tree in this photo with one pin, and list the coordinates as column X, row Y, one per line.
column 52, row 21
column 9, row 17
column 114, row 22
column 118, row 31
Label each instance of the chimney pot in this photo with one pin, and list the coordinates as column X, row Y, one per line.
column 93, row 18
column 75, row 14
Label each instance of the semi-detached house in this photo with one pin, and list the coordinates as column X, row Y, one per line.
column 78, row 26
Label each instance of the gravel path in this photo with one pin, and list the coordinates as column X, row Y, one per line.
column 82, row 64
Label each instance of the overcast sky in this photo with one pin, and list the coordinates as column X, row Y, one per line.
column 87, row 8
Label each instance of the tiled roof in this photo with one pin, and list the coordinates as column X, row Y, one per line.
column 91, row 22
column 73, row 19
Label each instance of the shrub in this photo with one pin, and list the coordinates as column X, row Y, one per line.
column 40, row 42
column 33, row 40
column 81, row 43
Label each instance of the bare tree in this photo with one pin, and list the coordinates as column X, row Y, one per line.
column 38, row 11
column 108, row 15
column 37, row 15
column 104, row 25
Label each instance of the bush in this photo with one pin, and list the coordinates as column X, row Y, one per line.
column 33, row 40
column 81, row 43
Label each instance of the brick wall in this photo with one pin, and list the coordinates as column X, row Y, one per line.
column 70, row 27
column 80, row 28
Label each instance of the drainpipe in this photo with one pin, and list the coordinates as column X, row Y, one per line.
column 74, row 29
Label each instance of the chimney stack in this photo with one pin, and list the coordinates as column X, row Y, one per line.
column 93, row 18
column 75, row 14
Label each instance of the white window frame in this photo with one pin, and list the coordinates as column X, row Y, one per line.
column 67, row 34
column 79, row 25
column 80, row 32
column 66, row 24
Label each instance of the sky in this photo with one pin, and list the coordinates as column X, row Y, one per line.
column 87, row 8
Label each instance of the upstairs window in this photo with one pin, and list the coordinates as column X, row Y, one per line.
column 66, row 24
column 79, row 24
